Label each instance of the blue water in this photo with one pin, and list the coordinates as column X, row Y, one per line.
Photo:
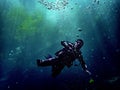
column 30, row 30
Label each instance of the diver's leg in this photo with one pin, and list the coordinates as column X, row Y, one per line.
column 47, row 62
column 56, row 69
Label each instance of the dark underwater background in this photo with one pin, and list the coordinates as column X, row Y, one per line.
column 29, row 30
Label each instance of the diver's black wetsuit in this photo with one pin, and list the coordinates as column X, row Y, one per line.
column 65, row 57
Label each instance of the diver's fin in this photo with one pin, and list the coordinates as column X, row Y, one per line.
column 39, row 62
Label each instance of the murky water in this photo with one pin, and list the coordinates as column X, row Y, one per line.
column 31, row 29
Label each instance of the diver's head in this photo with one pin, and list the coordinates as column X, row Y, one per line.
column 79, row 43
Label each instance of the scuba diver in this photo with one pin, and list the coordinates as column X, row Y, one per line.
column 65, row 57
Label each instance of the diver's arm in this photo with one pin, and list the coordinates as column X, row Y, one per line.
column 83, row 64
column 67, row 44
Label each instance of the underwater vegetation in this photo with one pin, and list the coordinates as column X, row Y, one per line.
column 30, row 29
column 25, row 24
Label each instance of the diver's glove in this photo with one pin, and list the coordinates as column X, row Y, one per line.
column 88, row 72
